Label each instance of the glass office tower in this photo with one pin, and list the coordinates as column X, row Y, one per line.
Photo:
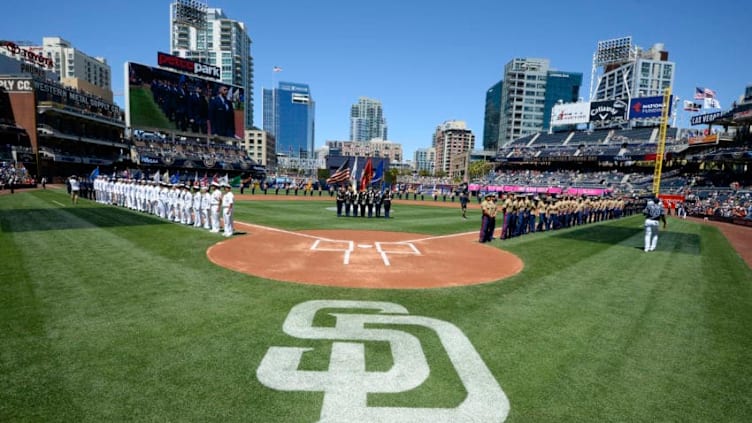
column 289, row 112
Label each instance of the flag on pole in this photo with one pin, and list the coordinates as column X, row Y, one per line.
column 354, row 175
column 342, row 174
column 225, row 179
column 195, row 179
column 709, row 93
column 205, row 180
column 156, row 177
column 235, row 182
column 691, row 106
column 699, row 93
column 175, row 178
column 378, row 174
column 166, row 177
column 277, row 69
column 365, row 179
column 94, row 174
column 711, row 103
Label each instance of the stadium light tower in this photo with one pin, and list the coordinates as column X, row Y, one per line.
column 609, row 52
column 192, row 13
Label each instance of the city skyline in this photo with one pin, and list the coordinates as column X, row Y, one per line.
column 423, row 73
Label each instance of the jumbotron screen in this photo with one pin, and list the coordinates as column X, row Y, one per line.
column 171, row 101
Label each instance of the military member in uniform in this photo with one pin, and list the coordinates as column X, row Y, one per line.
column 228, row 202
column 387, row 202
column 348, row 200
column 488, row 215
column 340, row 200
column 362, row 202
column 378, row 200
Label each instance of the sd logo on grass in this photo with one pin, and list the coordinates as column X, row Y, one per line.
column 346, row 384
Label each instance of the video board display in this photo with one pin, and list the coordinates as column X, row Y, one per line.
column 172, row 101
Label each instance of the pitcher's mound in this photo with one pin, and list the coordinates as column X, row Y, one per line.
column 364, row 259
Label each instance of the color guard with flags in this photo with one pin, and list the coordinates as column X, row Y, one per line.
column 365, row 179
column 378, row 174
column 354, row 175
column 342, row 174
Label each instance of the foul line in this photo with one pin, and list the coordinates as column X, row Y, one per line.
column 282, row 231
column 58, row 203
column 430, row 238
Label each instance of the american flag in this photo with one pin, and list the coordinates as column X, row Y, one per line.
column 277, row 69
column 340, row 175
column 703, row 93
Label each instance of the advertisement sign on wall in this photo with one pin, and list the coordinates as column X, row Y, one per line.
column 647, row 107
column 570, row 114
column 606, row 110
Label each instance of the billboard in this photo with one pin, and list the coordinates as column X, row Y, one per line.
column 171, row 101
column 709, row 139
column 189, row 66
column 606, row 110
column 703, row 119
column 648, row 107
column 570, row 114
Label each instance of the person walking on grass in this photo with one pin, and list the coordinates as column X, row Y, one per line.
column 653, row 214
column 75, row 187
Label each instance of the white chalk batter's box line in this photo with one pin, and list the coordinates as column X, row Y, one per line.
column 382, row 248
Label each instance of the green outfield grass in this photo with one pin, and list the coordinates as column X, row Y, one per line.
column 110, row 315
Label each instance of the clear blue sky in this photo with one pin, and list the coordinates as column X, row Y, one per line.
column 426, row 61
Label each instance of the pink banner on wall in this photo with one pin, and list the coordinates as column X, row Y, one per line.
column 539, row 190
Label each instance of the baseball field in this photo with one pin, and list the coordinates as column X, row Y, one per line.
column 110, row 315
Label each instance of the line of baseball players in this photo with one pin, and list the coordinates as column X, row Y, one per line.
column 195, row 205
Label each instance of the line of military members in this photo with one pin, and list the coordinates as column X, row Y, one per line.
column 199, row 206
column 366, row 202
column 521, row 214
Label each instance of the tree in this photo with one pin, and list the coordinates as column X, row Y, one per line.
column 391, row 176
column 478, row 169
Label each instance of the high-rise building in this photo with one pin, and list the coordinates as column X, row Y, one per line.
column 451, row 139
column 372, row 148
column 561, row 87
column 492, row 117
column 425, row 160
column 207, row 35
column 623, row 71
column 367, row 120
column 526, row 102
column 289, row 112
